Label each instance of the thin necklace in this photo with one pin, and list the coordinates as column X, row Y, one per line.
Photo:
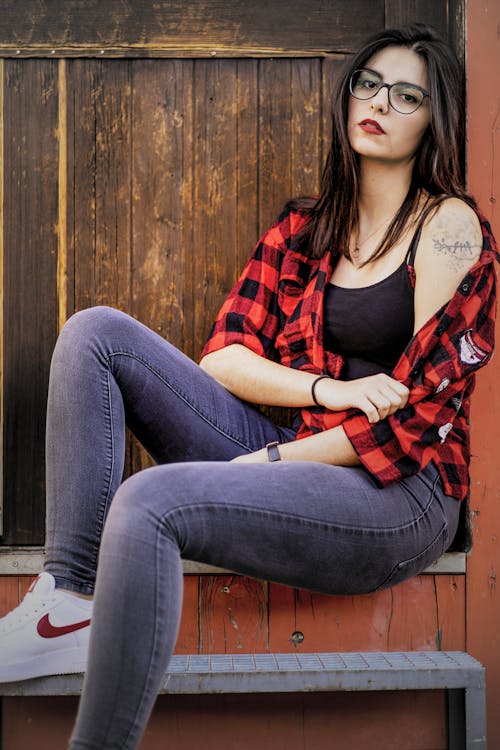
column 358, row 243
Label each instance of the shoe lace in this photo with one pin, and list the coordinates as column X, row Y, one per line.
column 29, row 608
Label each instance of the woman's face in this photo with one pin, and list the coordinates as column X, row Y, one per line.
column 376, row 130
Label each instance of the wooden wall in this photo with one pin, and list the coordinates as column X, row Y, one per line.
column 231, row 614
column 140, row 177
column 145, row 147
column 483, row 168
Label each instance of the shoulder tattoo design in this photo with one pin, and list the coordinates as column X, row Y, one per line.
column 459, row 246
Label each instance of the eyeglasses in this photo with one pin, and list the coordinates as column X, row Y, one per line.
column 403, row 97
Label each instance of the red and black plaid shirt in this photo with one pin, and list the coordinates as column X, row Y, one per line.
column 277, row 304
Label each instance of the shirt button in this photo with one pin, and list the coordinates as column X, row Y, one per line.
column 465, row 287
column 443, row 384
column 440, row 330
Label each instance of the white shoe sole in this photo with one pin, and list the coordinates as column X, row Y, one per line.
column 67, row 661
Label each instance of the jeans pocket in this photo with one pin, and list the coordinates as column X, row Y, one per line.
column 415, row 565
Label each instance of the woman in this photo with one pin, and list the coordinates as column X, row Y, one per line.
column 376, row 301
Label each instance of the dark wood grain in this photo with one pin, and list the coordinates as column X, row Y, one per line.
column 176, row 28
column 99, row 180
column 30, row 286
column 173, row 170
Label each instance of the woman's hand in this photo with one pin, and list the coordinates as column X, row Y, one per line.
column 377, row 396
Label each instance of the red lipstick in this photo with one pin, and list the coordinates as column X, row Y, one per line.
column 371, row 126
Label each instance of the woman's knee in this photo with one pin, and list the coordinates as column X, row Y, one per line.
column 84, row 323
column 142, row 499
column 89, row 330
column 153, row 501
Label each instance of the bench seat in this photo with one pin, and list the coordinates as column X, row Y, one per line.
column 462, row 676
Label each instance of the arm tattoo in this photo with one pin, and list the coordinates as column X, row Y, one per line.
column 457, row 250
column 453, row 245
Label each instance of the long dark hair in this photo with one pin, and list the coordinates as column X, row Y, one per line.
column 437, row 168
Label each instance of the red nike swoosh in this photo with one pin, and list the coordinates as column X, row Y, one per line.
column 47, row 630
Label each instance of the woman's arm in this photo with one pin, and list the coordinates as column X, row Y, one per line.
column 261, row 381
column 327, row 447
column 450, row 244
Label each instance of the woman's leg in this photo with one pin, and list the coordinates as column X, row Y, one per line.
column 108, row 370
column 319, row 527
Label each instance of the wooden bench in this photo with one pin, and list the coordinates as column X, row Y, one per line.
column 454, row 671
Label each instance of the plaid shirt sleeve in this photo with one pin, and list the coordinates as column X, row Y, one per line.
column 439, row 369
column 250, row 314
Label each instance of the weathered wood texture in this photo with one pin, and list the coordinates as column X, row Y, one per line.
column 206, row 27
column 30, row 216
column 483, row 167
column 144, row 183
column 233, row 614
column 172, row 169
column 320, row 721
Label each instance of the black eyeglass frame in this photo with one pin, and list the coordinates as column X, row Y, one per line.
column 387, row 86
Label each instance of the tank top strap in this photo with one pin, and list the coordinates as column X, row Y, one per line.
column 412, row 250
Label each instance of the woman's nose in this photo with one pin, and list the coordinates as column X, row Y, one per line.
column 380, row 102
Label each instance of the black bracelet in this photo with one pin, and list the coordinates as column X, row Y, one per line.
column 313, row 388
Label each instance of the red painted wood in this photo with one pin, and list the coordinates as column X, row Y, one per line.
column 418, row 614
column 189, row 629
column 483, row 163
column 233, row 612
column 9, row 593
column 319, row 721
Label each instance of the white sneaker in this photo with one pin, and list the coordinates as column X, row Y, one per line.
column 48, row 633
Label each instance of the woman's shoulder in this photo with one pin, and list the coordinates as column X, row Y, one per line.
column 452, row 236
column 450, row 245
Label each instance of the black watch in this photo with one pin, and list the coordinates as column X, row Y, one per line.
column 273, row 453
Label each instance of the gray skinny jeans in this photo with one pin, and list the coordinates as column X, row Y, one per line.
column 323, row 528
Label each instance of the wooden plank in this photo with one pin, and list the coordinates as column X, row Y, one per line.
column 188, row 640
column 162, row 201
column 245, row 176
column 305, row 126
column 233, row 612
column 450, row 597
column 400, row 12
column 162, row 209
column 29, row 561
column 330, row 72
column 411, row 616
column 145, row 27
column 393, row 721
column 9, row 594
column 215, row 188
column 2, row 331
column 99, row 169
column 30, row 294
column 448, row 18
column 62, row 225
column 483, row 174
column 275, row 123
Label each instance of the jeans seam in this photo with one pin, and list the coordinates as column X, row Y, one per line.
column 104, row 504
column 146, row 690
column 179, row 394
column 384, row 531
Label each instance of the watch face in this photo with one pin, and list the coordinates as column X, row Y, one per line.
column 273, row 453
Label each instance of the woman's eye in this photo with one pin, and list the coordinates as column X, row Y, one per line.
column 366, row 83
column 408, row 96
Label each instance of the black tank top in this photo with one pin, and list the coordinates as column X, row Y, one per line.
column 371, row 326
